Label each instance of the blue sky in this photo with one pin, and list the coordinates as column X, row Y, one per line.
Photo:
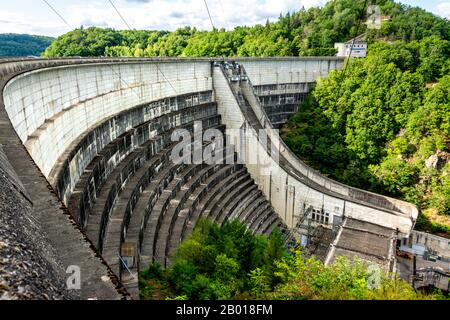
column 35, row 17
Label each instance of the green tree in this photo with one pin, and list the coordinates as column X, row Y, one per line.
column 275, row 251
column 182, row 275
column 258, row 283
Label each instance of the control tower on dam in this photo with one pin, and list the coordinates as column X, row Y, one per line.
column 87, row 146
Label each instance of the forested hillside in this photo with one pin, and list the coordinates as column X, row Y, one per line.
column 22, row 45
column 306, row 32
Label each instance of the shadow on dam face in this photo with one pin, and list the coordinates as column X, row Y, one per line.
column 89, row 144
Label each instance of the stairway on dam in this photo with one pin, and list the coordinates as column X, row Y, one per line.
column 90, row 142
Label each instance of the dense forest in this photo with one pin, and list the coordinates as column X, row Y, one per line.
column 382, row 124
column 232, row 263
column 22, row 45
column 306, row 32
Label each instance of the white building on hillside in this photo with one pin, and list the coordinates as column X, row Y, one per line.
column 359, row 48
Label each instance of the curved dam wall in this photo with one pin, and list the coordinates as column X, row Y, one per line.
column 51, row 119
column 91, row 138
column 269, row 71
column 60, row 244
column 88, row 137
column 74, row 100
column 283, row 84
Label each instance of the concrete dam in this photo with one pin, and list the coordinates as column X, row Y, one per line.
column 88, row 178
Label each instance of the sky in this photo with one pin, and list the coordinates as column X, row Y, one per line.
column 35, row 17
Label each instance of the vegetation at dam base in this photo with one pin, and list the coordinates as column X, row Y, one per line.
column 217, row 263
column 309, row 32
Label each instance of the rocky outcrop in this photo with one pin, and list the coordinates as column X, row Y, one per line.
column 438, row 160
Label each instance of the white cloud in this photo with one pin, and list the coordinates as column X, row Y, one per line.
column 15, row 22
column 312, row 3
column 169, row 15
column 443, row 9
column 147, row 14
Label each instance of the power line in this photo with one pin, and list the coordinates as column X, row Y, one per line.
column 354, row 39
column 209, row 14
column 57, row 13
column 157, row 65
column 223, row 13
column 165, row 78
column 351, row 50
column 65, row 21
column 120, row 15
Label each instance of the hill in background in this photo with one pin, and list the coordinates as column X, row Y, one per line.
column 22, row 45
column 311, row 32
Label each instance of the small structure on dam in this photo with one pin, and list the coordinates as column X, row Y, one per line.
column 89, row 149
